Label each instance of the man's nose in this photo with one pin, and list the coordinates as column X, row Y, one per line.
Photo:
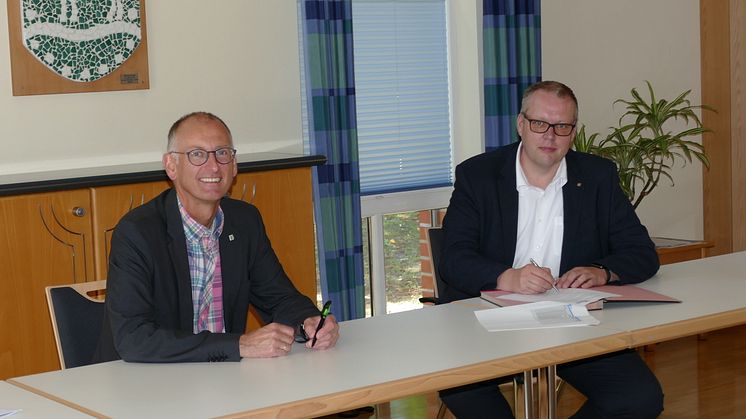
column 550, row 134
column 212, row 161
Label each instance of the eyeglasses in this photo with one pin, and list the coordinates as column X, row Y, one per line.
column 540, row 127
column 198, row 156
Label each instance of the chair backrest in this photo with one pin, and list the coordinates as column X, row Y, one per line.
column 435, row 238
column 76, row 320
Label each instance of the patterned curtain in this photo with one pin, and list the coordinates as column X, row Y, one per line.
column 330, row 94
column 512, row 62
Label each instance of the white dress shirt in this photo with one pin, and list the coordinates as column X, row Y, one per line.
column 540, row 219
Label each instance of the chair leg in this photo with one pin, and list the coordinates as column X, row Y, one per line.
column 559, row 387
column 516, row 395
column 442, row 411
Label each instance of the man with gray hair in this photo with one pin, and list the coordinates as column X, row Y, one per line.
column 185, row 267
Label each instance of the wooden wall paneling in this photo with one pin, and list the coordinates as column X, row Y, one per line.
column 738, row 123
column 110, row 203
column 284, row 199
column 42, row 242
column 716, row 89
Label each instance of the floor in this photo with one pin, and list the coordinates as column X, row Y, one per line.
column 702, row 377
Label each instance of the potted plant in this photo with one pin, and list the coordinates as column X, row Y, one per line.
column 643, row 147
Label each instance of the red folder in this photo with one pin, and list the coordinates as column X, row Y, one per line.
column 634, row 293
column 628, row 293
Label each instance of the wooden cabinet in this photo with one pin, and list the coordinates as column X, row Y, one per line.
column 678, row 250
column 45, row 239
column 284, row 199
column 64, row 237
column 109, row 204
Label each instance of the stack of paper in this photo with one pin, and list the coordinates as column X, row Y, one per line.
column 544, row 314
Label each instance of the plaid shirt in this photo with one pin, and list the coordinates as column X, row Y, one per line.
column 203, row 250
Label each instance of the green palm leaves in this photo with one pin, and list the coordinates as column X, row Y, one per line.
column 643, row 147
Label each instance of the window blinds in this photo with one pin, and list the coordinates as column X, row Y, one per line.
column 401, row 84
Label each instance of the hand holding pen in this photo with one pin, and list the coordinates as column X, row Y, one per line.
column 328, row 323
column 324, row 312
column 554, row 287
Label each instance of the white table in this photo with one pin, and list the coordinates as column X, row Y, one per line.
column 33, row 405
column 377, row 359
column 713, row 295
column 388, row 357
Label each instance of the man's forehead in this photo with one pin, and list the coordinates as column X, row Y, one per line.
column 202, row 131
column 548, row 102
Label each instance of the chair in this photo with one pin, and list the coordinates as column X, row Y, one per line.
column 435, row 245
column 435, row 238
column 76, row 320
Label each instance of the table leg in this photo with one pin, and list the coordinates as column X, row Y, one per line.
column 547, row 393
column 551, row 391
column 528, row 395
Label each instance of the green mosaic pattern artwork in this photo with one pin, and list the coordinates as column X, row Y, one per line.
column 81, row 40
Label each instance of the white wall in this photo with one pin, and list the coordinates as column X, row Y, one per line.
column 465, row 65
column 236, row 58
column 240, row 60
column 604, row 48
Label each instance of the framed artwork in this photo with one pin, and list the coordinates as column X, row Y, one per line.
column 74, row 46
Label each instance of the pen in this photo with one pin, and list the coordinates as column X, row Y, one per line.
column 324, row 313
column 533, row 262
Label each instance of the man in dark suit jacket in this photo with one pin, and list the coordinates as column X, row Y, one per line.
column 175, row 296
column 539, row 200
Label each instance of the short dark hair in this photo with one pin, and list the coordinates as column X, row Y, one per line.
column 558, row 89
column 199, row 114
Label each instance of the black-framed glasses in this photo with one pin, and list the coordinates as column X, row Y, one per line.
column 198, row 156
column 538, row 126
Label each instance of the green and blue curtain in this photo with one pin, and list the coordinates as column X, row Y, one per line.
column 330, row 95
column 512, row 62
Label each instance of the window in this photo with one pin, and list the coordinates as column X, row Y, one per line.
column 404, row 135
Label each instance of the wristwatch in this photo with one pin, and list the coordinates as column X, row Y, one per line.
column 608, row 272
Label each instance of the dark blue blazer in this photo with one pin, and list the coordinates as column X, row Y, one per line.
column 149, row 312
column 600, row 225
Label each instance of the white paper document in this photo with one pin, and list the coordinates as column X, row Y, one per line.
column 541, row 315
column 580, row 296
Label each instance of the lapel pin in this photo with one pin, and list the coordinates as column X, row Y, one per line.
column 230, row 237
column 579, row 184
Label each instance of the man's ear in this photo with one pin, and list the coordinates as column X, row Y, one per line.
column 519, row 120
column 169, row 164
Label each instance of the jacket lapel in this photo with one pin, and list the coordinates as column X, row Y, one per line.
column 508, row 202
column 230, row 250
column 574, row 200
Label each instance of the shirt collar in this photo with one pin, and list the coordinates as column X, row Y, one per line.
column 558, row 181
column 194, row 231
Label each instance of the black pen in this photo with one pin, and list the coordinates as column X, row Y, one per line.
column 324, row 313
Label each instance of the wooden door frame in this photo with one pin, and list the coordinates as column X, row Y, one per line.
column 723, row 56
